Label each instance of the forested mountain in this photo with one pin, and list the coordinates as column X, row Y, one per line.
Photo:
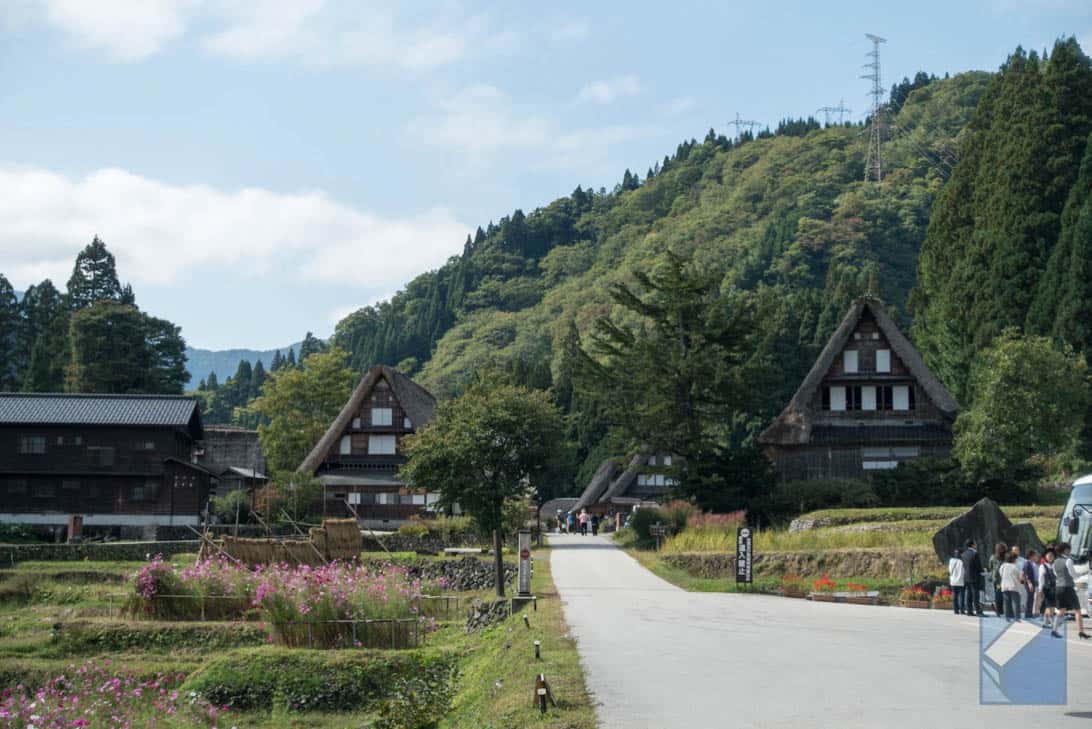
column 201, row 362
column 785, row 214
column 1010, row 241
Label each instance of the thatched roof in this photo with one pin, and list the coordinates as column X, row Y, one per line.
column 793, row 426
column 415, row 400
column 628, row 476
column 600, row 482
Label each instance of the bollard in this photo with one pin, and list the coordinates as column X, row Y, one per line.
column 538, row 654
column 527, row 621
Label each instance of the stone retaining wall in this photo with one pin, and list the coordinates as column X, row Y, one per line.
column 838, row 563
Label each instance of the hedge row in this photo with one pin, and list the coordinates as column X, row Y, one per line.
column 305, row 680
column 11, row 554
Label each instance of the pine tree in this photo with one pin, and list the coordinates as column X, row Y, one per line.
column 290, row 361
column 43, row 347
column 310, row 345
column 278, row 361
column 165, row 357
column 10, row 332
column 257, row 379
column 95, row 277
column 212, row 384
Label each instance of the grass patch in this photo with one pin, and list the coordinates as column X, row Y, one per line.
column 496, row 683
column 833, row 517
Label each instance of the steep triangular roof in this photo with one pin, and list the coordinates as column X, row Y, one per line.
column 793, row 427
column 416, row 401
column 600, row 482
column 618, row 488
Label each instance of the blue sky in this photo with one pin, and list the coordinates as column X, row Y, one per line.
column 261, row 168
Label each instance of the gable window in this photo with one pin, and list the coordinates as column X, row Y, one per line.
column 146, row 445
column 903, row 397
column 356, row 423
column 883, row 360
column 652, row 460
column 382, row 445
column 407, row 423
column 32, row 445
column 837, row 398
column 849, row 361
column 346, row 447
column 667, row 460
column 382, row 416
column 884, row 398
column 868, row 397
column 853, row 398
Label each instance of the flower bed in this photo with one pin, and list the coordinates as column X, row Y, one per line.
column 825, row 590
column 943, row 599
column 324, row 606
column 915, row 597
column 96, row 697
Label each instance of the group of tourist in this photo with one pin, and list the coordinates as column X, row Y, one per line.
column 1036, row 585
column 578, row 523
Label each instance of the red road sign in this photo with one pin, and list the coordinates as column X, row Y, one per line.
column 524, row 554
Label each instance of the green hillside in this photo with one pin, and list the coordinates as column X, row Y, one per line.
column 786, row 214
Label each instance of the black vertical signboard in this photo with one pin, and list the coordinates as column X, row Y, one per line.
column 744, row 554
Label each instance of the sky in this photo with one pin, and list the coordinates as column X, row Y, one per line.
column 260, row 168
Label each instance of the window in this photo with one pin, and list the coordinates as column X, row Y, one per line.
column 45, row 490
column 32, row 445
column 884, row 398
column 346, row 445
column 100, row 455
column 667, row 460
column 849, row 361
column 382, row 416
column 652, row 460
column 356, row 423
column 146, row 445
column 17, row 486
column 875, row 335
column 837, row 397
column 853, row 398
column 856, row 335
column 70, row 485
column 902, row 397
column 407, row 423
column 883, row 360
column 868, row 397
column 382, row 445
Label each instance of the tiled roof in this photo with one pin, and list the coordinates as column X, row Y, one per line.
column 63, row 409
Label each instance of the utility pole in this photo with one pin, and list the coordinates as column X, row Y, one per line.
column 873, row 163
column 841, row 110
column 742, row 123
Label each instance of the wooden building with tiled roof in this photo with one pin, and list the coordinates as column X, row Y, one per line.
column 868, row 403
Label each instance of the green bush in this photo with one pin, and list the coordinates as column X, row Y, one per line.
column 232, row 505
column 418, row 702
column 641, row 524
column 17, row 534
column 413, row 530
column 305, row 680
column 790, row 498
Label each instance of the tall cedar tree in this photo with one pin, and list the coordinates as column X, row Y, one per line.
column 10, row 330
column 310, row 345
column 118, row 349
column 489, row 447
column 95, row 278
column 298, row 404
column 44, row 339
column 677, row 381
column 996, row 223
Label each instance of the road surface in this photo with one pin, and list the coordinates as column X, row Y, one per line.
column 656, row 656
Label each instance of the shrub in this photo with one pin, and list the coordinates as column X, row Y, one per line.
column 790, row 498
column 413, row 530
column 676, row 514
column 18, row 534
column 641, row 524
column 418, row 702
column 232, row 505
column 251, row 678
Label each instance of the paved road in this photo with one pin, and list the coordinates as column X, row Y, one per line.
column 659, row 657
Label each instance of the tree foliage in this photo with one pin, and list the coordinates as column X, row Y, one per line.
column 297, row 405
column 486, row 448
column 1029, row 401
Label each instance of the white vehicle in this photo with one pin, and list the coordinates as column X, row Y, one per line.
column 1075, row 527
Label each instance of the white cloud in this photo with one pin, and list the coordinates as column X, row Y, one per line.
column 480, row 124
column 164, row 234
column 128, row 31
column 607, row 91
column 680, row 105
column 385, row 34
column 1086, row 42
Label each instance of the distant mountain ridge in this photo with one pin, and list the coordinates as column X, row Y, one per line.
column 200, row 362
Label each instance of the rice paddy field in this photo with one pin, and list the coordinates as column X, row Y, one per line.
column 181, row 644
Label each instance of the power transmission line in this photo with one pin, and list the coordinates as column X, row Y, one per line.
column 873, row 162
column 741, row 123
column 841, row 110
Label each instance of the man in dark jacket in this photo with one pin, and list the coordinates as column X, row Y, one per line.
column 973, row 580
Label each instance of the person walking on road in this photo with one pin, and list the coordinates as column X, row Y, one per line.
column 583, row 523
column 996, row 560
column 1031, row 582
column 1066, row 592
column 972, row 579
column 1011, row 585
column 595, row 524
column 1045, row 596
column 1019, row 561
column 572, row 523
column 955, row 580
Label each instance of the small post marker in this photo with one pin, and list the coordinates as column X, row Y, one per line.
column 527, row 621
column 538, row 653
column 543, row 693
